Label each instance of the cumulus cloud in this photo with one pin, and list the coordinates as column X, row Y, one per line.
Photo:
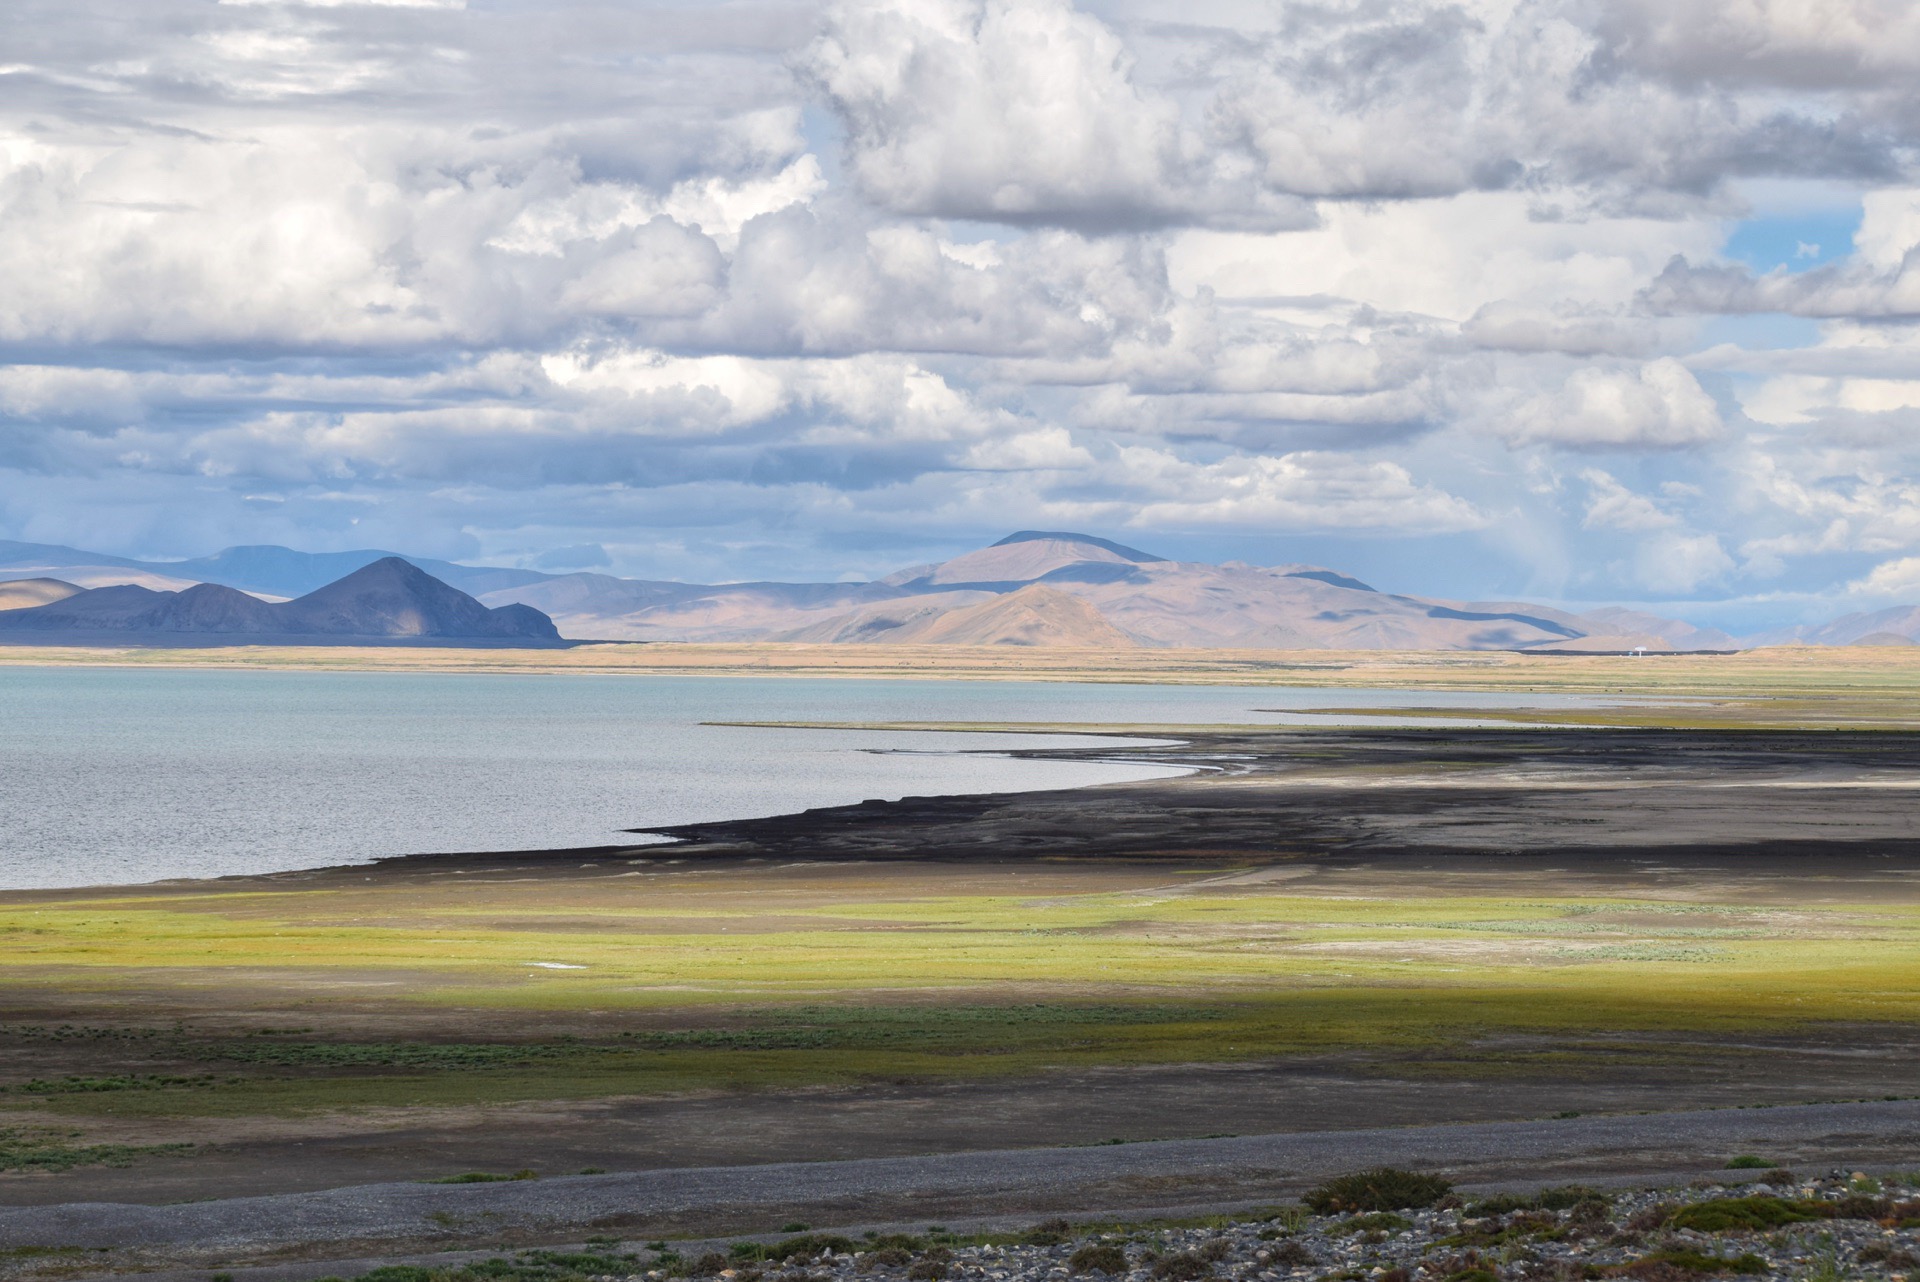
column 1896, row 579
column 1022, row 111
column 1681, row 561
column 1658, row 406
column 1303, row 490
column 1032, row 111
column 1510, row 326
column 1612, row 506
column 1796, row 44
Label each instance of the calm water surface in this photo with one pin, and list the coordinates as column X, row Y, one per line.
column 128, row 775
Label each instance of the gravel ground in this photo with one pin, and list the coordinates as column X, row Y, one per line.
column 1856, row 1227
column 434, row 1230
column 1226, row 1172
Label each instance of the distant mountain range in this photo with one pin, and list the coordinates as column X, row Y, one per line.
column 1036, row 587
column 388, row 600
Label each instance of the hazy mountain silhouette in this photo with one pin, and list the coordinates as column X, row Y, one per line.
column 389, row 600
column 1102, row 593
column 266, row 568
column 1055, row 587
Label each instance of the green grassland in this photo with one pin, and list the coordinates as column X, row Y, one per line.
column 217, row 1000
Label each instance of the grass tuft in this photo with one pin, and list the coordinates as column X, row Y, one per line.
column 1384, row 1188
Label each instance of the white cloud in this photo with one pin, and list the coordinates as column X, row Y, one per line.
column 1023, row 111
column 1446, row 258
column 1305, row 490
column 1612, row 506
column 1681, row 562
column 1658, row 406
column 1801, row 44
column 1898, row 579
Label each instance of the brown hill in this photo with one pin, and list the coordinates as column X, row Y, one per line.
column 1854, row 629
column 1034, row 615
column 1129, row 597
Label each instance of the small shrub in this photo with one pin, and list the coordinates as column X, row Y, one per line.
column 1384, row 1188
column 927, row 1270
column 1185, row 1267
column 795, row 1227
column 1666, row 1263
column 808, row 1246
column 1500, row 1204
column 1377, row 1222
column 707, row 1265
column 1748, row 1162
column 1858, row 1206
column 1589, row 1217
column 887, row 1257
column 1779, row 1177
column 1215, row 1250
column 1463, row 1267
column 1098, row 1257
column 1731, row 1214
column 1048, row 1233
column 1294, row 1255
column 1888, row 1254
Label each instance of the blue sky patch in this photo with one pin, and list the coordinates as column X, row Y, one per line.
column 1794, row 241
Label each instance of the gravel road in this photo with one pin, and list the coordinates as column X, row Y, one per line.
column 1228, row 1171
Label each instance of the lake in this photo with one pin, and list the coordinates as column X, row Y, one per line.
column 122, row 775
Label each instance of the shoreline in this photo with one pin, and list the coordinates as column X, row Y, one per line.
column 668, row 836
column 1835, row 819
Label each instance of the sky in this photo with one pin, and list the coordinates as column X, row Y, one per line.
column 1565, row 300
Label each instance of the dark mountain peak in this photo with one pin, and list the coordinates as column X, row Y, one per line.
column 393, row 597
column 386, row 572
column 208, row 607
column 1064, row 536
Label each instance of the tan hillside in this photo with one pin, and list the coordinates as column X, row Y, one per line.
column 24, row 594
column 1034, row 616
